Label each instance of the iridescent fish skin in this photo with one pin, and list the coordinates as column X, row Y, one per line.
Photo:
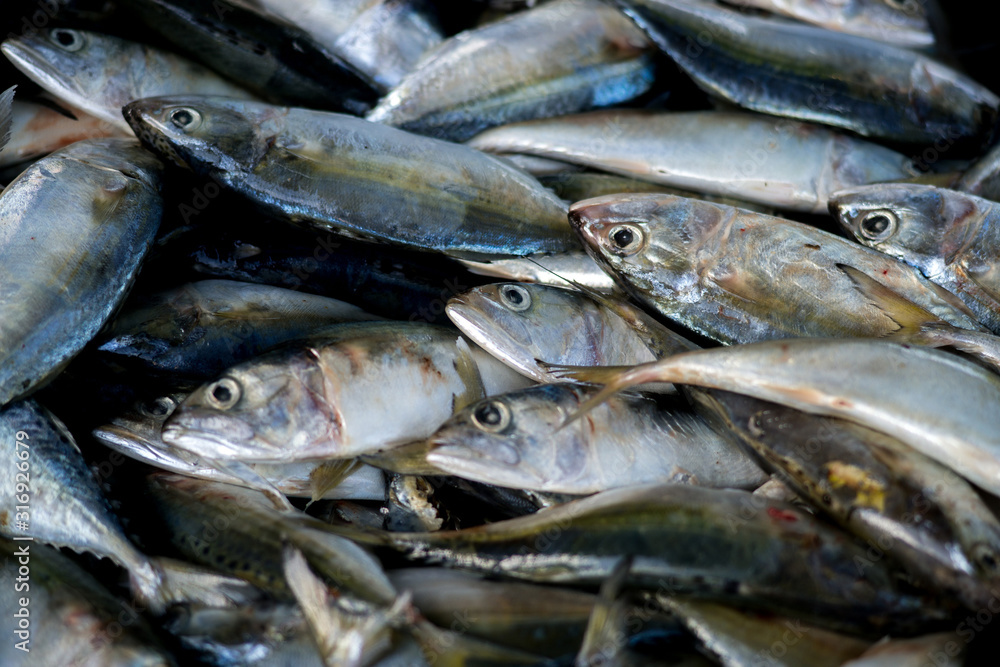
column 953, row 238
column 518, row 440
column 199, row 329
column 561, row 57
column 341, row 173
column 819, row 75
column 102, row 73
column 738, row 276
column 878, row 384
column 523, row 323
column 350, row 390
column 776, row 162
column 874, row 485
column 705, row 542
column 59, row 284
column 906, row 24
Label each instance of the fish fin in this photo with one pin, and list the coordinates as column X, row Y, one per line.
column 146, row 583
column 602, row 640
column 184, row 583
column 6, row 115
column 249, row 477
column 614, row 379
column 908, row 316
column 472, row 380
column 408, row 459
column 329, row 476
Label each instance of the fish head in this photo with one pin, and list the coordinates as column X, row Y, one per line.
column 270, row 409
column 72, row 64
column 206, row 133
column 922, row 225
column 521, row 323
column 515, row 440
column 647, row 241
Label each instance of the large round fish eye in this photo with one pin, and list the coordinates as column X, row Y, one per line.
column 515, row 297
column 878, row 225
column 493, row 416
column 224, row 394
column 626, row 239
column 185, row 119
column 68, row 40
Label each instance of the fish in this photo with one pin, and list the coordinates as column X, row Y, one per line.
column 267, row 56
column 518, row 440
column 102, row 73
column 239, row 532
column 522, row 324
column 70, row 617
column 876, row 487
column 950, row 237
column 199, row 329
column 738, row 276
column 136, row 434
column 813, row 74
column 711, row 543
column 561, row 57
column 344, row 174
column 568, row 269
column 59, row 284
column 875, row 383
column 49, row 495
column 776, row 162
column 354, row 389
column 906, row 24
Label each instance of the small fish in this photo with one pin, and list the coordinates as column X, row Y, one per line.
column 38, row 129
column 810, row 73
column 522, row 324
column 738, row 276
column 49, row 494
column 197, row 330
column 709, row 542
column 351, row 390
column 518, row 440
column 561, row 57
column 951, row 237
column 776, row 162
column 59, row 284
column 878, row 384
column 348, row 175
column 101, row 73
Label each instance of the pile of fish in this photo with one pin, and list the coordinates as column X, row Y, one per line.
column 569, row 332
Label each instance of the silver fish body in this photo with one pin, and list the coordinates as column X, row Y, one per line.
column 59, row 283
column 953, row 238
column 102, row 73
column 358, row 178
column 561, row 57
column 771, row 161
column 518, row 440
column 738, row 276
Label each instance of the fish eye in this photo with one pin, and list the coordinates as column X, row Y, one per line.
column 158, row 407
column 626, row 239
column 878, row 225
column 185, row 119
column 69, row 40
column 224, row 393
column 986, row 558
column 492, row 416
column 515, row 297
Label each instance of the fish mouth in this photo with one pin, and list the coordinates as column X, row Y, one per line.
column 33, row 63
column 233, row 440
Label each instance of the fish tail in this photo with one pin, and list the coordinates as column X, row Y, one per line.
column 614, row 379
